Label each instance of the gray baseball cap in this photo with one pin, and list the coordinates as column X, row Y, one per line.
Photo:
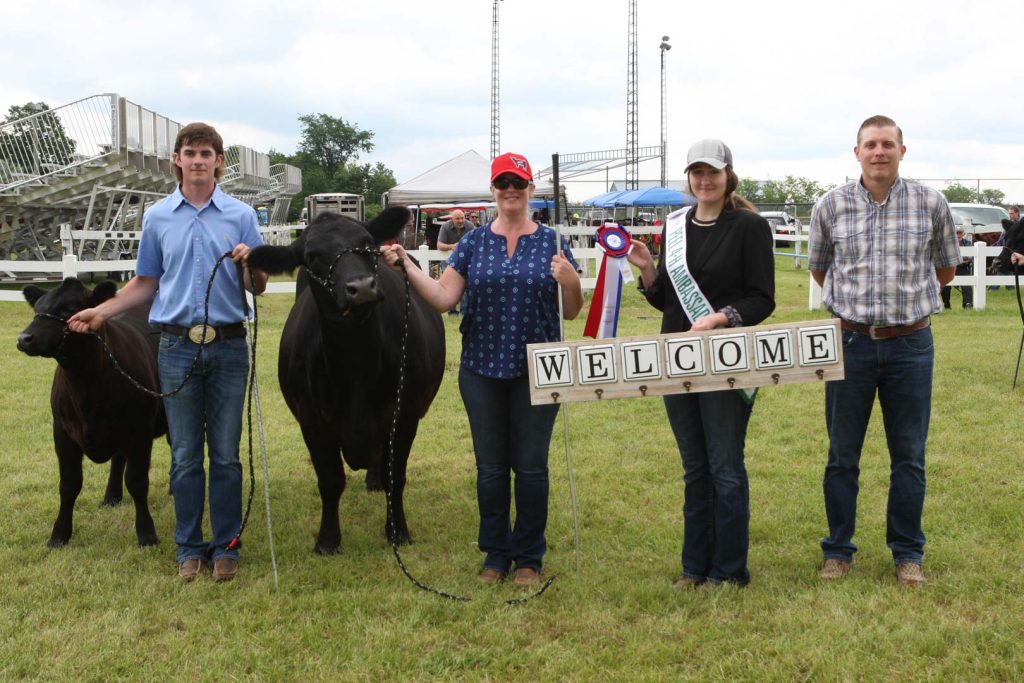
column 714, row 153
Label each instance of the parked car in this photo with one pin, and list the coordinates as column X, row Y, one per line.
column 782, row 224
column 983, row 221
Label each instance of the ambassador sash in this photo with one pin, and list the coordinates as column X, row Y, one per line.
column 694, row 304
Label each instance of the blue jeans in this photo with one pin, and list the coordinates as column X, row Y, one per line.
column 900, row 371
column 509, row 435
column 711, row 429
column 207, row 410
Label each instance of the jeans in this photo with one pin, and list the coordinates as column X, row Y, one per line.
column 509, row 435
column 900, row 370
column 207, row 409
column 710, row 429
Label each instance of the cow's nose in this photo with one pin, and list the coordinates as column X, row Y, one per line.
column 24, row 340
column 361, row 290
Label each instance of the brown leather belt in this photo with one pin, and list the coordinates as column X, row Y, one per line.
column 887, row 332
column 211, row 334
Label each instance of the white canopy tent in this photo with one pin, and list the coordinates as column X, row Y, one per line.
column 465, row 178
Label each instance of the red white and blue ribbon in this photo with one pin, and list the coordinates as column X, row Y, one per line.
column 603, row 318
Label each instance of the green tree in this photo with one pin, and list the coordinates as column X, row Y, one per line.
column 957, row 192
column 327, row 156
column 991, row 196
column 30, row 145
column 750, row 188
column 330, row 142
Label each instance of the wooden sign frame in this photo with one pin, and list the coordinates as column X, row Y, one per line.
column 725, row 358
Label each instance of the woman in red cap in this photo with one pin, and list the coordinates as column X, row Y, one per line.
column 720, row 250
column 510, row 270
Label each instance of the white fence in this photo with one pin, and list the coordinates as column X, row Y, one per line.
column 978, row 278
column 580, row 237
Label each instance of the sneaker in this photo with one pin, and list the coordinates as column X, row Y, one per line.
column 225, row 569
column 489, row 575
column 189, row 570
column 834, row 569
column 910, row 574
column 527, row 576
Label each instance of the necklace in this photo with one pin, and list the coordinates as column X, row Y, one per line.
column 705, row 224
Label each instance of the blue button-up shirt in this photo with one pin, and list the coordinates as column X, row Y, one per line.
column 879, row 258
column 181, row 244
column 511, row 301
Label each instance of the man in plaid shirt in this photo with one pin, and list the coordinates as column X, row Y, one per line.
column 880, row 248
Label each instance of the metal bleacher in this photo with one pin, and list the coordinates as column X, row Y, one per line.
column 81, row 175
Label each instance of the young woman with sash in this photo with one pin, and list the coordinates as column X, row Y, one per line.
column 716, row 270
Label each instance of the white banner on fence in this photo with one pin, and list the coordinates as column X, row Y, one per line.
column 728, row 358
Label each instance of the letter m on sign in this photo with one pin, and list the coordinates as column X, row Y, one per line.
column 552, row 368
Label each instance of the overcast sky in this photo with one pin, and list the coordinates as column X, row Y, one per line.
column 785, row 84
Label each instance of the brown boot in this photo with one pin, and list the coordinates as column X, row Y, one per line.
column 910, row 574
column 833, row 569
column 225, row 569
column 189, row 570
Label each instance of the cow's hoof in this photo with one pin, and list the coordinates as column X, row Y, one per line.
column 57, row 542
column 323, row 549
column 146, row 540
column 111, row 501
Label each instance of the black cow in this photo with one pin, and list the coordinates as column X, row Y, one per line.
column 96, row 411
column 340, row 354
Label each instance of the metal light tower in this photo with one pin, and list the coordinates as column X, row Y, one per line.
column 632, row 155
column 664, row 47
column 495, row 106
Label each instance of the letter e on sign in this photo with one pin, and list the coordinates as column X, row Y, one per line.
column 729, row 353
column 640, row 360
column 551, row 368
column 818, row 345
column 773, row 349
column 597, row 363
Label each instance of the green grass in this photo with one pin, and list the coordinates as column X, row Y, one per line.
column 103, row 609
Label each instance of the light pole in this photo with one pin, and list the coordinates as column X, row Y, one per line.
column 664, row 47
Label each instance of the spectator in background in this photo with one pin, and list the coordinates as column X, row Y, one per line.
column 452, row 231
column 966, row 291
column 448, row 238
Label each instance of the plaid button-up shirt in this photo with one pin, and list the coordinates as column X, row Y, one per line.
column 879, row 258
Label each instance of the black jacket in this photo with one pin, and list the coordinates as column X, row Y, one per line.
column 735, row 267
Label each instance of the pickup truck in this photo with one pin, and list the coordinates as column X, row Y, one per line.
column 782, row 224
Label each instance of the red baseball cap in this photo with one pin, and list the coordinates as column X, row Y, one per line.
column 516, row 164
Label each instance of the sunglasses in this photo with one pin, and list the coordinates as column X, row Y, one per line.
column 503, row 183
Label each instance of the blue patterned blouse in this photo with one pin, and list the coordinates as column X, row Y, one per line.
column 511, row 302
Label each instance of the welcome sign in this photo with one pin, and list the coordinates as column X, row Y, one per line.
column 727, row 358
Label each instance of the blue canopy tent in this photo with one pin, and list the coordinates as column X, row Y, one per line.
column 605, row 200
column 653, row 196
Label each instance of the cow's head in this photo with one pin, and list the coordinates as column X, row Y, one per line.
column 44, row 336
column 341, row 258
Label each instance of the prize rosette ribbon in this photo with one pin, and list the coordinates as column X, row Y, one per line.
column 603, row 318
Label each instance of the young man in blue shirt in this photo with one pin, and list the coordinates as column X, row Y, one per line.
column 183, row 236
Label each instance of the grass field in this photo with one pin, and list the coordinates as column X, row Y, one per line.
column 104, row 609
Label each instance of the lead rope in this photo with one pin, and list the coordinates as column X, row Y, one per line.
column 1020, row 306
column 254, row 400
column 391, row 460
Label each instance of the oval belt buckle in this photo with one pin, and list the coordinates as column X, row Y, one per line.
column 202, row 334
